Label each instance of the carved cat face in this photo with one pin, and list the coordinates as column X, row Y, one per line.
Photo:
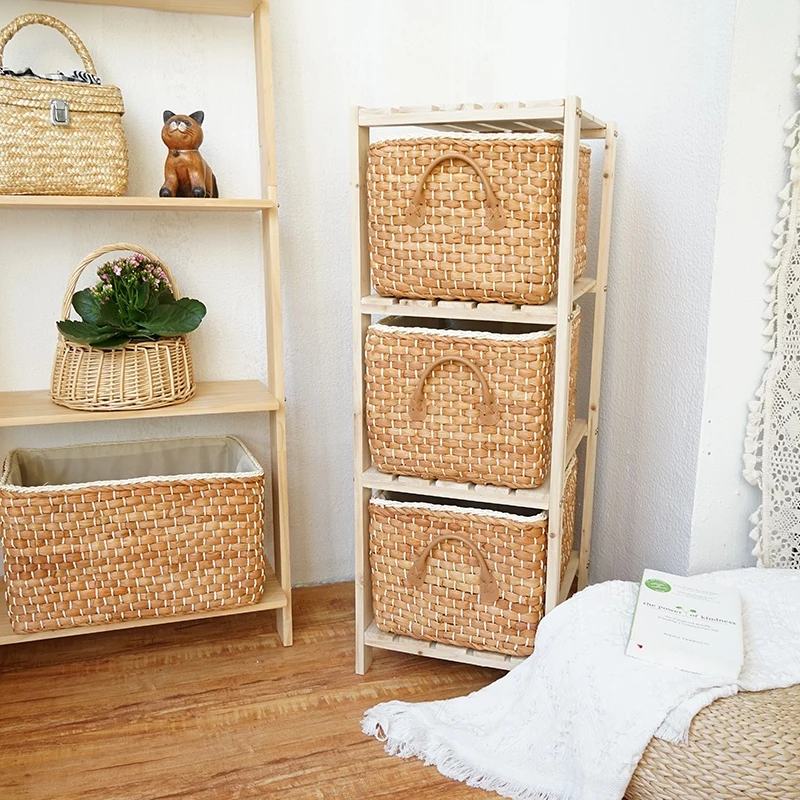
column 181, row 132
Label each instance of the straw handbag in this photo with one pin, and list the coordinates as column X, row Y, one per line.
column 137, row 375
column 471, row 218
column 58, row 137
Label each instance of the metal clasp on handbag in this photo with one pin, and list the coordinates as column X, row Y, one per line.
column 59, row 112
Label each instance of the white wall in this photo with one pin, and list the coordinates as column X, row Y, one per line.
column 329, row 57
column 660, row 70
column 763, row 95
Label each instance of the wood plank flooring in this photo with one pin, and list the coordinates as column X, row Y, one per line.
column 215, row 710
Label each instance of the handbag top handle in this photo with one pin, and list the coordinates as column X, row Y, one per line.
column 16, row 25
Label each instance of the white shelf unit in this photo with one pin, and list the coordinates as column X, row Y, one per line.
column 566, row 117
column 217, row 397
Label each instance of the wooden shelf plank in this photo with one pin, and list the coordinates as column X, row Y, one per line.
column 538, row 498
column 373, row 637
column 19, row 201
column 215, row 397
column 545, row 314
column 569, row 575
column 231, row 8
column 510, row 117
column 273, row 597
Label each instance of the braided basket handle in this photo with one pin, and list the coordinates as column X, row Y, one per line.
column 101, row 251
column 489, row 414
column 489, row 591
column 16, row 25
column 495, row 216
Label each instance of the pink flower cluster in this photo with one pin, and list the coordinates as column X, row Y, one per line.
column 123, row 273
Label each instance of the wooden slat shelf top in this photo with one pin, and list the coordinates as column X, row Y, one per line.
column 522, row 498
column 214, row 397
column 446, row 652
column 545, row 314
column 52, row 202
column 510, row 117
column 273, row 597
column 230, row 8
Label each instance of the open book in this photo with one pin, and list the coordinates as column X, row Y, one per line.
column 688, row 624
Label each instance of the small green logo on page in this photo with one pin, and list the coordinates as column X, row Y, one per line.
column 658, row 585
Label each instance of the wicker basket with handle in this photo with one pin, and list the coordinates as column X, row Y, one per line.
column 59, row 137
column 467, row 576
column 112, row 532
column 470, row 218
column 461, row 405
column 137, row 375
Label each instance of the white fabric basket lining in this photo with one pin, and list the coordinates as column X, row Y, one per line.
column 495, row 512
column 391, row 325
column 125, row 463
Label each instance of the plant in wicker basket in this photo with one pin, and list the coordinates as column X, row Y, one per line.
column 129, row 350
column 132, row 302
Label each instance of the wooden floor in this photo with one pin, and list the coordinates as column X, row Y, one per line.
column 215, row 710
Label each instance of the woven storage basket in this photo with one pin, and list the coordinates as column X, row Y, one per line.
column 461, row 405
column 470, row 218
column 86, row 156
column 135, row 376
column 472, row 577
column 113, row 532
column 745, row 746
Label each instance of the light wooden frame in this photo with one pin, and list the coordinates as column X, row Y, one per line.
column 220, row 397
column 566, row 117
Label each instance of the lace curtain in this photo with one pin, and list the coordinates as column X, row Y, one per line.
column 772, row 448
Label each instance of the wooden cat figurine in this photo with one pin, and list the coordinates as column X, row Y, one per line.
column 186, row 174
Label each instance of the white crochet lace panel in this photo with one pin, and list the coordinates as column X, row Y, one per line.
column 772, row 448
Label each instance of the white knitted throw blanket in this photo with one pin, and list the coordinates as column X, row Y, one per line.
column 572, row 721
column 772, row 448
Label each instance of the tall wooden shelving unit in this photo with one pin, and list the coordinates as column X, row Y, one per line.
column 217, row 397
column 565, row 117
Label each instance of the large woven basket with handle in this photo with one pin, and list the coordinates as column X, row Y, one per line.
column 59, row 137
column 137, row 375
column 467, row 576
column 741, row 747
column 471, row 218
column 443, row 403
column 114, row 532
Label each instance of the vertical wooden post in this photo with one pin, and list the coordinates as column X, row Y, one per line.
column 265, row 100
column 361, row 287
column 603, row 247
column 566, row 261
column 272, row 309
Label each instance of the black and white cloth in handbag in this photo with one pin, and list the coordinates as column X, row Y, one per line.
column 76, row 76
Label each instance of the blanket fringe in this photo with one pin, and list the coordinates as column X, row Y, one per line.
column 379, row 720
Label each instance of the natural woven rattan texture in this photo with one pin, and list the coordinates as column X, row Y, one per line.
column 89, row 555
column 745, row 746
column 448, row 607
column 454, row 440
column 135, row 376
column 88, row 156
column 460, row 251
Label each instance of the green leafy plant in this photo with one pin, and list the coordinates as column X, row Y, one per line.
column 132, row 302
